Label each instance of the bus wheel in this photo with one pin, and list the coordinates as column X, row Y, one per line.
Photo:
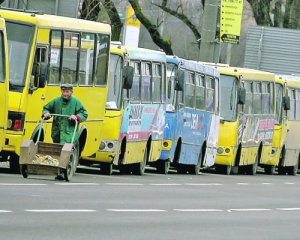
column 139, row 168
column 270, row 169
column 223, row 169
column 252, row 169
column 195, row 169
column 106, row 168
column 163, row 166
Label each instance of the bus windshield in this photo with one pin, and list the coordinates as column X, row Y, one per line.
column 171, row 71
column 19, row 43
column 228, row 98
column 115, row 82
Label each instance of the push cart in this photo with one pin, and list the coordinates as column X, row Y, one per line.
column 42, row 158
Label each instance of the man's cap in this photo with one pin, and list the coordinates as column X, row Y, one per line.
column 66, row 86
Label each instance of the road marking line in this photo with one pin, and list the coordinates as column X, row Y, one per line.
column 76, row 184
column 248, row 210
column 198, row 210
column 288, row 209
column 5, row 211
column 165, row 184
column 267, row 183
column 22, row 184
column 59, row 210
column 242, row 183
column 289, row 183
column 136, row 210
column 204, row 184
column 125, row 184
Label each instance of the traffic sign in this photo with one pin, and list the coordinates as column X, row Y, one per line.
column 231, row 20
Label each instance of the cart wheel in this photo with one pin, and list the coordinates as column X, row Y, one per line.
column 69, row 171
column 24, row 170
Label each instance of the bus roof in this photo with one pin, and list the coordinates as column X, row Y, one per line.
column 246, row 73
column 290, row 80
column 193, row 65
column 59, row 22
column 145, row 54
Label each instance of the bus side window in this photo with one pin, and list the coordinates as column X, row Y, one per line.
column 102, row 60
column 257, row 98
column 293, row 103
column 70, row 56
column 87, row 59
column 146, row 77
column 135, row 90
column 297, row 109
column 200, row 92
column 2, row 62
column 248, row 102
column 266, row 98
column 190, row 90
column 55, row 56
column 156, row 83
column 210, row 88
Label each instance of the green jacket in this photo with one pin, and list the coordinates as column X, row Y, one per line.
column 62, row 127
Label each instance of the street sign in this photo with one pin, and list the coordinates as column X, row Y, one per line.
column 231, row 20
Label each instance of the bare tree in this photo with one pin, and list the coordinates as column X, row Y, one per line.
column 164, row 44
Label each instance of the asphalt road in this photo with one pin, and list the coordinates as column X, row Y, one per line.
column 152, row 206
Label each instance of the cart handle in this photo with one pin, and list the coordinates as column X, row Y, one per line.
column 60, row 115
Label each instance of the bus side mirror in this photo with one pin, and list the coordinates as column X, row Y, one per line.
column 286, row 103
column 179, row 80
column 40, row 72
column 127, row 77
column 242, row 96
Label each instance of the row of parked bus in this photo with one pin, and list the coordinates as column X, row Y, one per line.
column 145, row 108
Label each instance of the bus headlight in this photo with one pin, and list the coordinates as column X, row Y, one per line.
column 110, row 145
column 220, row 150
column 227, row 150
column 102, row 145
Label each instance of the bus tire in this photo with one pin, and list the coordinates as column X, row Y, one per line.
column 293, row 170
column 139, row 168
column 195, row 169
column 252, row 169
column 270, row 169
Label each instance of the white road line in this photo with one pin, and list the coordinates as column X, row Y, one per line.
column 5, row 211
column 249, row 210
column 22, row 184
column 198, row 210
column 136, row 210
column 204, row 184
column 58, row 210
column 267, row 183
column 76, row 184
column 289, row 183
column 165, row 184
column 125, row 184
column 288, row 209
column 242, row 183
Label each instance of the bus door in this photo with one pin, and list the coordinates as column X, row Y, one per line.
column 3, row 83
column 212, row 105
column 37, row 96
